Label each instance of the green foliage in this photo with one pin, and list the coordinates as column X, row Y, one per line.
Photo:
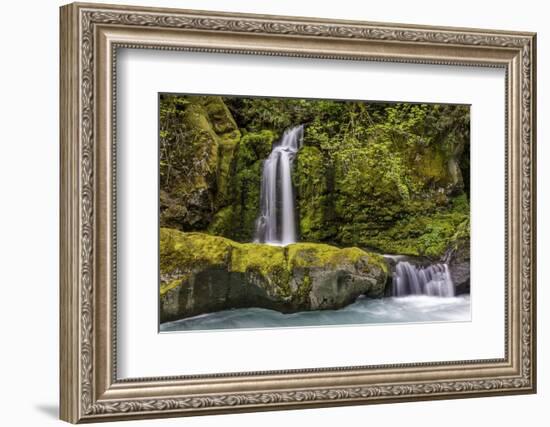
column 255, row 146
column 393, row 177
column 312, row 180
column 224, row 221
column 425, row 234
column 247, row 190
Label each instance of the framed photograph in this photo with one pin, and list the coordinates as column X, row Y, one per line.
column 268, row 212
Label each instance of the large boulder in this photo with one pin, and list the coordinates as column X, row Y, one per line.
column 201, row 273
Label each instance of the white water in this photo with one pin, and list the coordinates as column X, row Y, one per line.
column 410, row 309
column 276, row 224
column 433, row 280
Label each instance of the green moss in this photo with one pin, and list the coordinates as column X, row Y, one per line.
column 378, row 261
column 181, row 252
column 267, row 261
column 463, row 230
column 202, row 273
column 318, row 255
column 423, row 235
column 165, row 287
column 202, row 136
column 255, row 256
column 381, row 176
column 430, row 166
column 198, row 142
column 239, row 183
column 255, row 146
column 314, row 201
column 394, row 195
column 223, row 222
column 309, row 177
column 227, row 147
column 228, row 140
column 247, row 200
column 219, row 115
column 370, row 183
column 184, row 250
column 301, row 296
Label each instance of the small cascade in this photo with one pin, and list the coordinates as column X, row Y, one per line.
column 433, row 280
column 276, row 224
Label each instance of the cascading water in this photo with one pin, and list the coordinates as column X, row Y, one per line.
column 276, row 224
column 433, row 280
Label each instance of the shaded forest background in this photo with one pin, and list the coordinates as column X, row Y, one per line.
column 393, row 178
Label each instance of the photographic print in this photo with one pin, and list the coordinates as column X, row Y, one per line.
column 284, row 212
column 309, row 212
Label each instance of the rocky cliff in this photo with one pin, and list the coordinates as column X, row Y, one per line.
column 392, row 178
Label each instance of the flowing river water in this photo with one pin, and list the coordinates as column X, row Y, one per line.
column 409, row 309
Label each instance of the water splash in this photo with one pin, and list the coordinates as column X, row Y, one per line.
column 433, row 280
column 276, row 224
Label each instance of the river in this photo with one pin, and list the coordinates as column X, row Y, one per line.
column 408, row 309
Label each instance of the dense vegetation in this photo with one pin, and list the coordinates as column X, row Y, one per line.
column 393, row 178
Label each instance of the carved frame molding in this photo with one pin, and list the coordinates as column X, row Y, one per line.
column 90, row 37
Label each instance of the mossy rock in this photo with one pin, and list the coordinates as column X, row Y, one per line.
column 312, row 180
column 228, row 134
column 199, row 139
column 240, row 207
column 223, row 223
column 254, row 147
column 219, row 115
column 429, row 235
column 201, row 273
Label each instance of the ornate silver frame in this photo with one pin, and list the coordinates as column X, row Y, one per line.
column 90, row 36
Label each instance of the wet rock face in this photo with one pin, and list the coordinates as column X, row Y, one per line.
column 198, row 141
column 461, row 277
column 458, row 258
column 202, row 274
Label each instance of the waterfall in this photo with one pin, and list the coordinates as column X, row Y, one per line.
column 276, row 224
column 434, row 280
